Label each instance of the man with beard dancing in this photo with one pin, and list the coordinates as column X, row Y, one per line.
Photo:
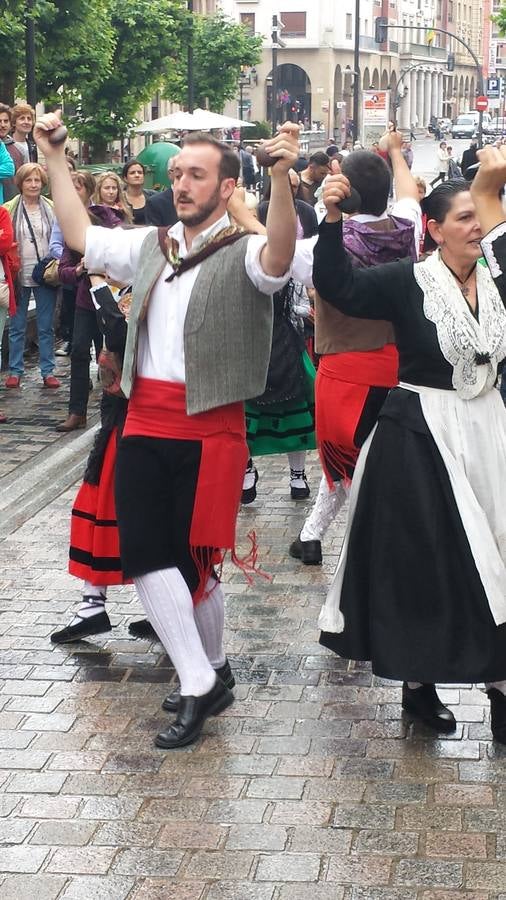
column 198, row 344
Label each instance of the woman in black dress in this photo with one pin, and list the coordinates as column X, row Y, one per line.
column 420, row 588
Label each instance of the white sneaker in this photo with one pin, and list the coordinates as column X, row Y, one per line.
column 63, row 350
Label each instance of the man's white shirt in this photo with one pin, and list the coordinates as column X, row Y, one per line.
column 161, row 335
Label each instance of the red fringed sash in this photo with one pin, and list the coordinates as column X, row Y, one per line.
column 158, row 409
column 342, row 385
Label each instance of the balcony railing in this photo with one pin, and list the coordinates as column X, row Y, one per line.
column 425, row 51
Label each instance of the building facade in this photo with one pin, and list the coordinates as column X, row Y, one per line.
column 316, row 77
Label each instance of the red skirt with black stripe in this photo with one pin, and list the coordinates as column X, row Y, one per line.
column 94, row 539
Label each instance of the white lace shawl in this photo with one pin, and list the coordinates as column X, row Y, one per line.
column 473, row 348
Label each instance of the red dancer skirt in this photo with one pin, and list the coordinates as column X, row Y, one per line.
column 94, row 539
column 349, row 385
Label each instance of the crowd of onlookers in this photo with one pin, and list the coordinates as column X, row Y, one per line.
column 36, row 263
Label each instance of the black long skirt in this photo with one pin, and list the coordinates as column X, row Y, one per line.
column 412, row 599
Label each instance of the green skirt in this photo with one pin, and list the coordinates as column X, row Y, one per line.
column 283, row 427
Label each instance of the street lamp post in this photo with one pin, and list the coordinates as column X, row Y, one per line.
column 191, row 88
column 31, row 88
column 356, row 66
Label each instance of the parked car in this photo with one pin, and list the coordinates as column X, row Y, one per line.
column 498, row 126
column 464, row 127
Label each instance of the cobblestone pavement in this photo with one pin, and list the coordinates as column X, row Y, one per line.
column 310, row 787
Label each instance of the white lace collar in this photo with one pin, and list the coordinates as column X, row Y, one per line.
column 473, row 348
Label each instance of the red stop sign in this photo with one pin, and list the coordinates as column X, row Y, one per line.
column 482, row 104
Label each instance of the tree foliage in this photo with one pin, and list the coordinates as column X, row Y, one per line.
column 220, row 48
column 147, row 37
column 73, row 43
column 500, row 20
column 107, row 58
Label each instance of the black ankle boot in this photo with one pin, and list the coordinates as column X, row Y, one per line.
column 424, row 703
column 192, row 713
column 309, row 552
column 497, row 715
column 171, row 703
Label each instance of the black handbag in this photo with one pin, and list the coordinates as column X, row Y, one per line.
column 286, row 379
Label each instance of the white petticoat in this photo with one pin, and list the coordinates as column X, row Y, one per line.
column 471, row 438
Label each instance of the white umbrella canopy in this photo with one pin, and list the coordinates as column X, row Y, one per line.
column 200, row 120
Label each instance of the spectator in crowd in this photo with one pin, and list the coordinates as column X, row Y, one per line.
column 312, row 177
column 7, row 274
column 160, row 209
column 442, row 162
column 84, row 182
column 109, row 192
column 6, row 168
column 407, row 152
column 248, row 168
column 9, row 185
column 469, row 158
column 22, row 122
column 136, row 194
column 86, row 331
column 32, row 219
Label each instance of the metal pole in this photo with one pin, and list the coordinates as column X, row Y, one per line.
column 274, row 75
column 479, row 69
column 191, row 99
column 356, row 77
column 31, row 88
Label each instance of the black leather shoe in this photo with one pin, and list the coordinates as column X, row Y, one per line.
column 250, row 494
column 82, row 629
column 142, row 629
column 497, row 715
column 299, row 493
column 192, row 713
column 424, row 703
column 309, row 552
column 171, row 703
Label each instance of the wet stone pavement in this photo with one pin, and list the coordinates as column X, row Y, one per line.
column 311, row 786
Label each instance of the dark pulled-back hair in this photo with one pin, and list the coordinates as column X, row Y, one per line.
column 230, row 163
column 438, row 204
column 128, row 165
column 369, row 174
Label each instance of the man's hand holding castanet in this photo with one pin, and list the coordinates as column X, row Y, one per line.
column 336, row 189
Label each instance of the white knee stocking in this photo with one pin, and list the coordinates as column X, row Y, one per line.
column 325, row 509
column 210, row 620
column 169, row 607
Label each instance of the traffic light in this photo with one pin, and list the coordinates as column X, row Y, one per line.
column 451, row 62
column 380, row 29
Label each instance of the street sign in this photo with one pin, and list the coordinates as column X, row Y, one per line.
column 482, row 104
column 494, row 87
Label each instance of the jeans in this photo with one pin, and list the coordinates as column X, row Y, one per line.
column 503, row 385
column 45, row 301
column 86, row 332
column 3, row 318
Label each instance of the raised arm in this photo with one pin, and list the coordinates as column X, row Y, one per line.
column 486, row 192
column 404, row 182
column 69, row 210
column 277, row 254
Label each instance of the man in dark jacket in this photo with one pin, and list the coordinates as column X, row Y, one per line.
column 469, row 158
column 160, row 209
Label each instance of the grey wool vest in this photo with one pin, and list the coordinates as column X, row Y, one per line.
column 227, row 330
